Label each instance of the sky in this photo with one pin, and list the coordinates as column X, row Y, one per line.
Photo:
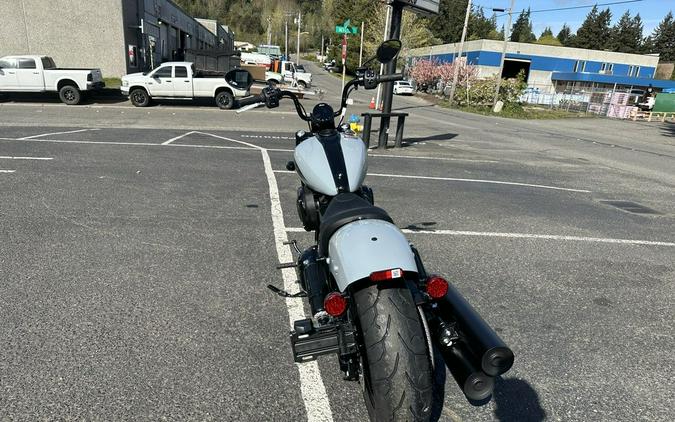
column 651, row 12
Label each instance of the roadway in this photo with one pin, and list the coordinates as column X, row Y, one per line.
column 137, row 244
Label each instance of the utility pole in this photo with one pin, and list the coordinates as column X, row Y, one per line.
column 384, row 38
column 363, row 25
column 269, row 30
column 322, row 56
column 459, row 56
column 286, row 40
column 507, row 29
column 297, row 59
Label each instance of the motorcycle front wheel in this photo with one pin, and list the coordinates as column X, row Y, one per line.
column 395, row 360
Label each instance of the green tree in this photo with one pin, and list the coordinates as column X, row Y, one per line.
column 564, row 35
column 594, row 32
column 626, row 35
column 480, row 26
column 522, row 29
column 449, row 22
column 547, row 32
column 664, row 38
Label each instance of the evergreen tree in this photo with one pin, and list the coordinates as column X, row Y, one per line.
column 564, row 35
column 481, row 27
column 626, row 35
column 522, row 29
column 664, row 38
column 594, row 32
column 547, row 32
column 449, row 22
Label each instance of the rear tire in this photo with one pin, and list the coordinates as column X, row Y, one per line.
column 396, row 366
column 302, row 84
column 225, row 100
column 70, row 95
column 139, row 97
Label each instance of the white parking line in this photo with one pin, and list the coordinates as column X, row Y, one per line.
column 178, row 137
column 454, row 179
column 55, row 133
column 312, row 388
column 4, row 157
column 523, row 236
column 7, row 171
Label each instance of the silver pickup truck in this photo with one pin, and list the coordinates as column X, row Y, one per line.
column 40, row 74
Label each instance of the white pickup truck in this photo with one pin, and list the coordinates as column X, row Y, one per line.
column 40, row 74
column 179, row 80
column 292, row 75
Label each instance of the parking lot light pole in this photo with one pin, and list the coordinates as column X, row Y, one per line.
column 507, row 29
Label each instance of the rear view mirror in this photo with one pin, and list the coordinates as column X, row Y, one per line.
column 388, row 50
column 239, row 79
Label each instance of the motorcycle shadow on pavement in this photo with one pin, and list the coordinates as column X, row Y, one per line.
column 515, row 399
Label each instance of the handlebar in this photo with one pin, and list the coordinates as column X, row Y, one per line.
column 390, row 78
column 251, row 100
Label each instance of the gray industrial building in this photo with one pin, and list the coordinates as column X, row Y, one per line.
column 118, row 36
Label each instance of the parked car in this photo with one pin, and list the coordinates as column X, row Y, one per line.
column 403, row 87
column 32, row 73
column 179, row 80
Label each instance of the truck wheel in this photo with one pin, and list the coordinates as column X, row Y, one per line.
column 396, row 366
column 225, row 100
column 70, row 95
column 139, row 97
column 302, row 84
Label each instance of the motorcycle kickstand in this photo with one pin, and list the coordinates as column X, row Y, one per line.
column 284, row 293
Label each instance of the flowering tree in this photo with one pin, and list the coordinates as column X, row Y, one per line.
column 430, row 73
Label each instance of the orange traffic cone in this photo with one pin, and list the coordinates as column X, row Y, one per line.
column 372, row 104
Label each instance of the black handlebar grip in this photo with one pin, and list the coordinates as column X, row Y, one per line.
column 390, row 78
column 251, row 100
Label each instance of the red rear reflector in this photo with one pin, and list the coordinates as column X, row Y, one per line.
column 437, row 287
column 387, row 274
column 335, row 304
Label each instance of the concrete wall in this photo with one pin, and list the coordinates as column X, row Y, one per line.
column 73, row 32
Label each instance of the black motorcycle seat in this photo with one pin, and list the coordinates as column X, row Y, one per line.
column 344, row 209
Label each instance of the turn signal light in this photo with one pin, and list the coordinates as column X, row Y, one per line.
column 437, row 287
column 386, row 274
column 335, row 304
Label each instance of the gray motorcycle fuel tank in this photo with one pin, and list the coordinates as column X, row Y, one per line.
column 332, row 164
column 365, row 246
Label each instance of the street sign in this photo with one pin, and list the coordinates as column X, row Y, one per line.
column 345, row 28
column 344, row 48
column 425, row 7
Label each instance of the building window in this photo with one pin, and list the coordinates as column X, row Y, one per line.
column 580, row 66
column 607, row 68
column 634, row 71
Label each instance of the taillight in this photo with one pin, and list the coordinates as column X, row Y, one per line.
column 335, row 304
column 386, row 274
column 436, row 287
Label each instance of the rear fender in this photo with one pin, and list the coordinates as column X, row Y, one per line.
column 363, row 247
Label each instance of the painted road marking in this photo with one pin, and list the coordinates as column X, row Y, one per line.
column 143, row 144
column 454, row 179
column 7, row 171
column 177, row 138
column 312, row 388
column 3, row 157
column 55, row 133
column 523, row 236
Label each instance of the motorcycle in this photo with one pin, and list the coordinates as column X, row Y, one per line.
column 372, row 302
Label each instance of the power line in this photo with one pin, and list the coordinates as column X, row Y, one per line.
column 588, row 6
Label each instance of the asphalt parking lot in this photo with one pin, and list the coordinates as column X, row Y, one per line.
column 136, row 246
